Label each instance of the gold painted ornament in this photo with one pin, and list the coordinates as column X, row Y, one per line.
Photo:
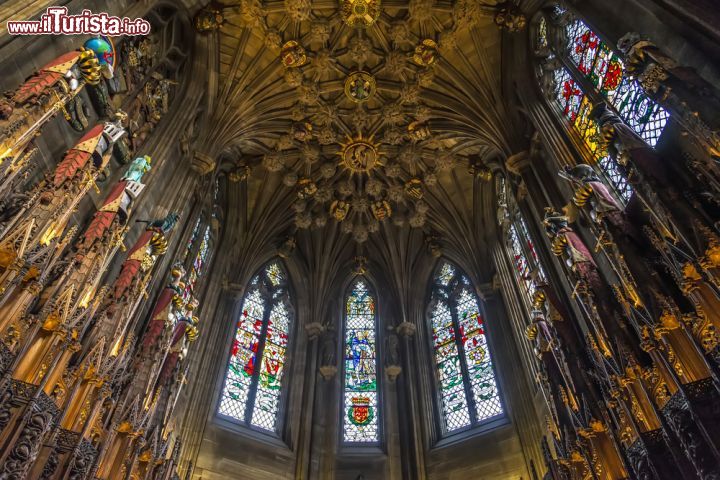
column 241, row 173
column 339, row 210
column 414, row 188
column 360, row 87
column 293, row 55
column 510, row 17
column 426, row 52
column 209, row 19
column 360, row 267
column 418, row 131
column 360, row 13
column 360, row 156
column 306, row 188
column 480, row 171
column 381, row 210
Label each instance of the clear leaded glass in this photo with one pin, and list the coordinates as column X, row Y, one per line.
column 251, row 394
column 467, row 388
column 360, row 398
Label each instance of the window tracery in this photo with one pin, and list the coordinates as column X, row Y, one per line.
column 253, row 383
column 587, row 69
column 466, row 380
column 360, row 388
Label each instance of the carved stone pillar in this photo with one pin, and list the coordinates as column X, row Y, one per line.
column 412, row 448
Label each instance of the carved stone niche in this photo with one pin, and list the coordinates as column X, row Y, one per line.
column 202, row 163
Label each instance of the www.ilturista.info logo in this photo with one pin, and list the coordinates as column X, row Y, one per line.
column 56, row 21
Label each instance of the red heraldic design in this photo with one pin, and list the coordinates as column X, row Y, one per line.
column 76, row 158
column 159, row 314
column 176, row 349
column 131, row 266
column 46, row 77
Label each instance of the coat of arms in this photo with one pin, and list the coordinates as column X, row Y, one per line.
column 360, row 412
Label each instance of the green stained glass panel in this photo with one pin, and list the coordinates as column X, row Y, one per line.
column 360, row 406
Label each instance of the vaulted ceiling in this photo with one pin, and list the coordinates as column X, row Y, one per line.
column 359, row 117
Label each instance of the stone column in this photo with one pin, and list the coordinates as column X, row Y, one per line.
column 411, row 437
column 522, row 411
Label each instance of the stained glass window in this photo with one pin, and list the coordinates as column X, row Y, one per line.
column 467, row 388
column 525, row 261
column 360, row 392
column 198, row 264
column 599, row 63
column 589, row 57
column 526, row 264
column 251, row 394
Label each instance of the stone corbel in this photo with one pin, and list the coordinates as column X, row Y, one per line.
column 328, row 372
column 235, row 289
column 314, row 330
column 202, row 163
column 392, row 372
column 516, row 163
column 487, row 291
column 406, row 329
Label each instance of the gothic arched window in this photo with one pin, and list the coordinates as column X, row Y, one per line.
column 253, row 382
column 201, row 233
column 520, row 249
column 586, row 69
column 360, row 385
column 527, row 268
column 467, row 388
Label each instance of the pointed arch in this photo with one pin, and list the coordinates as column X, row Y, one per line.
column 360, row 407
column 253, row 384
column 467, row 389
